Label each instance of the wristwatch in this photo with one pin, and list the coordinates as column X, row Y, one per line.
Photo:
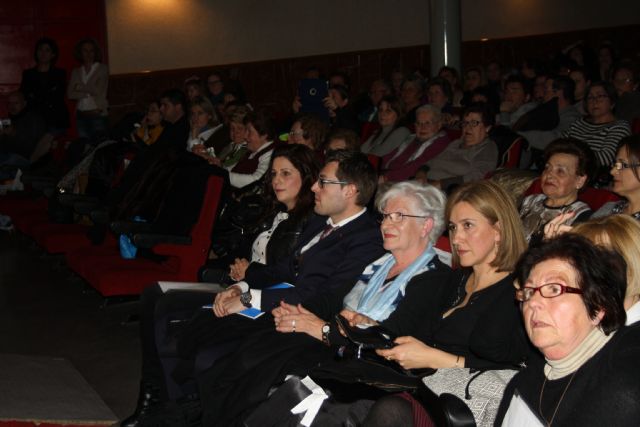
column 245, row 299
column 326, row 328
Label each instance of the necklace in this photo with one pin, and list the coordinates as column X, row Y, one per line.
column 559, row 401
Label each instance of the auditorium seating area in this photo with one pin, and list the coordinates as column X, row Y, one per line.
column 75, row 258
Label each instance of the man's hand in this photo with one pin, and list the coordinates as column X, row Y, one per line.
column 222, row 298
column 233, row 305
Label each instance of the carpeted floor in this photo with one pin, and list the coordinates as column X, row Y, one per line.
column 48, row 389
column 46, row 311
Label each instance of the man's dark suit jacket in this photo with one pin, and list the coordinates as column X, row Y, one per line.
column 338, row 258
column 332, row 263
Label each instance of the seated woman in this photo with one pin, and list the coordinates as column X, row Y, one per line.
column 289, row 204
column 626, row 180
column 479, row 327
column 411, row 95
column 471, row 157
column 568, row 165
column 440, row 95
column 400, row 290
column 571, row 293
column 391, row 132
column 600, row 129
column 260, row 145
column 204, row 124
column 294, row 169
column 151, row 126
column 310, row 130
column 451, row 75
column 193, row 88
column 619, row 233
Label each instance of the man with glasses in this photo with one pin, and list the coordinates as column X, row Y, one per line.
column 428, row 141
column 333, row 250
column 335, row 246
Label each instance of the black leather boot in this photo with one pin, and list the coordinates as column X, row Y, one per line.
column 148, row 400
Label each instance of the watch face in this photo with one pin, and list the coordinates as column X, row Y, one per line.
column 325, row 329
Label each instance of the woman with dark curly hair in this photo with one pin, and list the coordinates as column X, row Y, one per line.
column 568, row 165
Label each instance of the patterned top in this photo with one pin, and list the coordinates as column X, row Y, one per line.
column 259, row 248
column 614, row 208
column 535, row 214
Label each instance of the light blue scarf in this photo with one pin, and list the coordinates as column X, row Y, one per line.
column 377, row 303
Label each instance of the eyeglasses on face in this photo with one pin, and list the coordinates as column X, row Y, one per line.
column 470, row 123
column 623, row 165
column 597, row 98
column 396, row 217
column 548, row 290
column 323, row 181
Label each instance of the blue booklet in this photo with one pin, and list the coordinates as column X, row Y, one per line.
column 254, row 313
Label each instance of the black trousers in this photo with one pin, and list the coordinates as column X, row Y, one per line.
column 180, row 339
column 162, row 315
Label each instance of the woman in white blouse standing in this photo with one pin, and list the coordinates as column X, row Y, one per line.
column 88, row 86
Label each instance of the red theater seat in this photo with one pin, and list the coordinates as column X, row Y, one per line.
column 112, row 275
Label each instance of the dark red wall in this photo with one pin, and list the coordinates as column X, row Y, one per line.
column 22, row 22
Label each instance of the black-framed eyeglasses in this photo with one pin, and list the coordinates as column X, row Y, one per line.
column 623, row 165
column 548, row 290
column 396, row 217
column 470, row 123
column 323, row 181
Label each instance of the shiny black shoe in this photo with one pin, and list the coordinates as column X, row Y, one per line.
column 148, row 401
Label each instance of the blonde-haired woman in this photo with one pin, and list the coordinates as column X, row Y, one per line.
column 480, row 326
column 487, row 240
column 619, row 233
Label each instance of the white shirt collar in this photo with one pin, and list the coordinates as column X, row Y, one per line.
column 346, row 220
